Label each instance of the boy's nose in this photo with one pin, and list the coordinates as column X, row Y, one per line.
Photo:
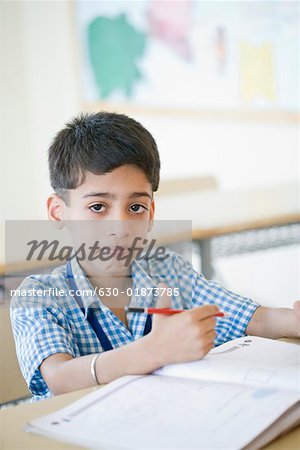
column 119, row 228
column 118, row 216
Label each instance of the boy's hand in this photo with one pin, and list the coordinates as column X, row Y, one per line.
column 275, row 323
column 187, row 336
column 297, row 316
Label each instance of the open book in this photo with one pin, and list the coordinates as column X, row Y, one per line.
column 241, row 395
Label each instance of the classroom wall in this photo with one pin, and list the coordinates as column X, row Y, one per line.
column 42, row 91
column 40, row 95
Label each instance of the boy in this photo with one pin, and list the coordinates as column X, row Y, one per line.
column 104, row 169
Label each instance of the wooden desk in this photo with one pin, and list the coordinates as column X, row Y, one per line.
column 218, row 213
column 13, row 421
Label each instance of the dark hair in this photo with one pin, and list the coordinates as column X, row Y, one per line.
column 99, row 143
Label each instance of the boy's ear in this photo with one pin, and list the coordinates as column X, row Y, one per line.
column 152, row 211
column 55, row 208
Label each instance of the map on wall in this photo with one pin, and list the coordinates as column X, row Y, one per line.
column 190, row 54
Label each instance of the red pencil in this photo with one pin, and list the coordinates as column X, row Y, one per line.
column 168, row 311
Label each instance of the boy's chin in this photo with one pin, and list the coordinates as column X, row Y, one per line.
column 114, row 268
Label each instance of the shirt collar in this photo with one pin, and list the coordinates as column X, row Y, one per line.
column 142, row 286
column 142, row 294
column 88, row 295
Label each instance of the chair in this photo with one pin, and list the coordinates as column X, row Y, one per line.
column 12, row 384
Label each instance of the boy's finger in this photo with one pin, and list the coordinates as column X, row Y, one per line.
column 207, row 324
column 297, row 309
column 164, row 300
column 202, row 312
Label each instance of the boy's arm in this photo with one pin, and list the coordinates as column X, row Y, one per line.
column 179, row 338
column 275, row 323
column 63, row 373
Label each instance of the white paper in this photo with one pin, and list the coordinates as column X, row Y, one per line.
column 249, row 360
column 155, row 412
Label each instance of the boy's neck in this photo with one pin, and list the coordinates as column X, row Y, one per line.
column 120, row 281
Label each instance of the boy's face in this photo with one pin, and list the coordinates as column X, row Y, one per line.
column 118, row 207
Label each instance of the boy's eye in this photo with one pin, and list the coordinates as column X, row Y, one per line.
column 97, row 207
column 138, row 208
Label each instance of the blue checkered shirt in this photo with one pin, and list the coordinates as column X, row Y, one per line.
column 50, row 324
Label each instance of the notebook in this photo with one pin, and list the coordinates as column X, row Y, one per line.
column 242, row 395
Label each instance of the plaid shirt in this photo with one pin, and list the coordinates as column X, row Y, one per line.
column 50, row 324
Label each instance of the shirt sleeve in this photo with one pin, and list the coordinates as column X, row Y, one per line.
column 198, row 291
column 238, row 308
column 39, row 332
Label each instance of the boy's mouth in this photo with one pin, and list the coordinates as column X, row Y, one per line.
column 118, row 247
column 115, row 249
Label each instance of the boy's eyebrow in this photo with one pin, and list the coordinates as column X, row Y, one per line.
column 98, row 194
column 112, row 196
column 140, row 194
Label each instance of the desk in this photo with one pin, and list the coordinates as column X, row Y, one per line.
column 13, row 420
column 217, row 213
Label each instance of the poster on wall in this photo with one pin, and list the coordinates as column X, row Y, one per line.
column 191, row 55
